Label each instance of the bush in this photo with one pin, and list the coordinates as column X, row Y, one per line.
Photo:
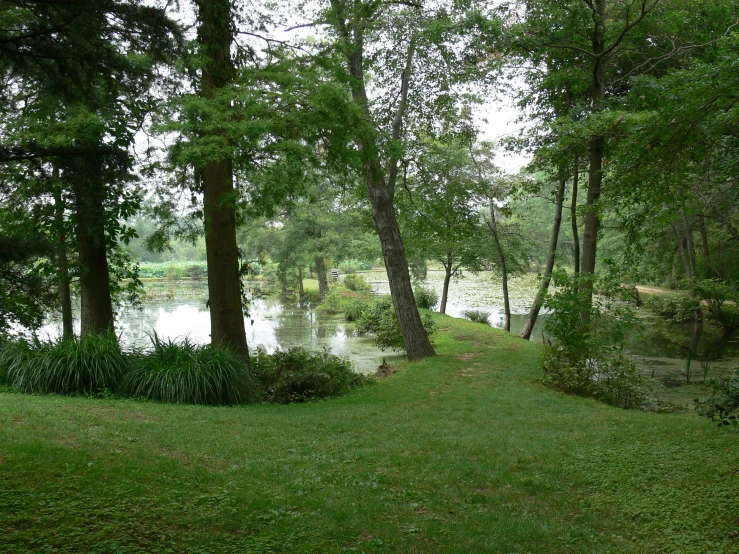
column 357, row 283
column 298, row 375
column 723, row 406
column 478, row 316
column 379, row 319
column 186, row 373
column 587, row 359
column 333, row 303
column 353, row 308
column 348, row 268
column 91, row 364
column 678, row 306
column 721, row 299
column 426, row 298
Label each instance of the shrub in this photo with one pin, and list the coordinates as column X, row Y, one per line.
column 587, row 359
column 426, row 298
column 187, row 373
column 379, row 319
column 678, row 306
column 353, row 308
column 298, row 375
column 333, row 303
column 87, row 365
column 357, row 283
column 348, row 268
column 478, row 316
column 721, row 299
column 723, row 406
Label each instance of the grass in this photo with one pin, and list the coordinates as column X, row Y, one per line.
column 464, row 452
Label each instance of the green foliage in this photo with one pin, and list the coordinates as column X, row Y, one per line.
column 677, row 306
column 378, row 319
column 88, row 365
column 426, row 298
column 186, row 373
column 352, row 266
column 721, row 300
column 583, row 354
column 297, row 375
column 723, row 405
column 477, row 316
column 357, row 283
column 333, row 303
column 173, row 270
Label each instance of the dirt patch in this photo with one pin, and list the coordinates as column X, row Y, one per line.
column 467, row 356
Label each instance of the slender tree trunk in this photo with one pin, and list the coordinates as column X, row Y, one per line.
column 301, row 290
column 690, row 245
column 682, row 247
column 528, row 326
column 704, row 243
column 321, row 273
column 224, row 281
column 95, row 299
column 597, row 145
column 675, row 259
column 65, row 294
column 381, row 191
column 573, row 216
column 445, row 289
column 493, row 225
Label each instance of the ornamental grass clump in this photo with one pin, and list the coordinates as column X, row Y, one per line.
column 477, row 316
column 91, row 364
column 297, row 375
column 182, row 372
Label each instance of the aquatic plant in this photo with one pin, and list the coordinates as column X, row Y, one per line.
column 477, row 316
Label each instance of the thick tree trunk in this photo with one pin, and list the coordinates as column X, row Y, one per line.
column 528, row 326
column 493, row 225
column 224, row 281
column 321, row 273
column 445, row 288
column 95, row 299
column 682, row 247
column 65, row 294
column 573, row 215
column 704, row 244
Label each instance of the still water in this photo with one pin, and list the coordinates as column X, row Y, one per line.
column 273, row 323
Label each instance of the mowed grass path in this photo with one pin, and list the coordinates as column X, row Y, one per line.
column 465, row 452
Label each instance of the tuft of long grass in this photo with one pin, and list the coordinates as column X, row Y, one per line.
column 478, row 316
column 87, row 365
column 183, row 372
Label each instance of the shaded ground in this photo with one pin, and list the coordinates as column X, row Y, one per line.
column 464, row 452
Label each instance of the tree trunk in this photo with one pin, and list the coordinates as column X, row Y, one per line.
column 597, row 144
column 95, row 299
column 493, row 225
column 224, row 281
column 528, row 326
column 690, row 245
column 301, row 290
column 675, row 259
column 573, row 215
column 682, row 247
column 445, row 289
column 381, row 192
column 704, row 243
column 65, row 294
column 321, row 273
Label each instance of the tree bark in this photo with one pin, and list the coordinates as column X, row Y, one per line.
column 597, row 145
column 301, row 290
column 65, row 294
column 493, row 225
column 445, row 288
column 682, row 247
column 381, row 190
column 96, row 303
column 573, row 215
column 224, row 281
column 321, row 273
column 528, row 326
column 690, row 245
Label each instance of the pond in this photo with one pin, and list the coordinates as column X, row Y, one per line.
column 179, row 310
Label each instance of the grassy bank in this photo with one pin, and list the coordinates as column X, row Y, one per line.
column 465, row 452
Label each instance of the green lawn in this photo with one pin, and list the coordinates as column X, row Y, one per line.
column 465, row 453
